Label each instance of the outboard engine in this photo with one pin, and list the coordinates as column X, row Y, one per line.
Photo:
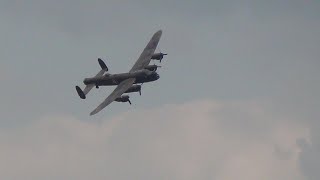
column 152, row 67
column 134, row 88
column 124, row 98
column 158, row 56
column 142, row 72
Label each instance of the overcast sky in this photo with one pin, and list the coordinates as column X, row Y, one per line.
column 238, row 94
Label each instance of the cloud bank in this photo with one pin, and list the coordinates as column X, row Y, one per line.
column 196, row 140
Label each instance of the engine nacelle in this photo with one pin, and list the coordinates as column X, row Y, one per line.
column 142, row 72
column 158, row 56
column 152, row 67
column 124, row 98
column 134, row 88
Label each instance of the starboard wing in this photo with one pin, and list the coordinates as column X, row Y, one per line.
column 147, row 53
column 120, row 89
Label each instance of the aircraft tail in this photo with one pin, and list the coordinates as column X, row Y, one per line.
column 103, row 65
column 86, row 90
column 80, row 92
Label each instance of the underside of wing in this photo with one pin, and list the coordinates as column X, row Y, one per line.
column 147, row 53
column 120, row 89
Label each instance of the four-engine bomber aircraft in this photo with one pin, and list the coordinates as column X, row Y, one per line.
column 141, row 72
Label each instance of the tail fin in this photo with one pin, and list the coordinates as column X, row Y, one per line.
column 102, row 65
column 86, row 90
column 80, row 92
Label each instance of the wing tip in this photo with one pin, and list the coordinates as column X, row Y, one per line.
column 93, row 113
column 159, row 32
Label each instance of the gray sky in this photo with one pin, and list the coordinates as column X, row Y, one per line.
column 237, row 95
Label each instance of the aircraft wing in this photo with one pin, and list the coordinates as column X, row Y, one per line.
column 120, row 89
column 147, row 53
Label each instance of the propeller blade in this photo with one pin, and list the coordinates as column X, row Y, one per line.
column 140, row 92
column 129, row 101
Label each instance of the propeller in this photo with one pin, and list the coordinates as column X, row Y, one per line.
column 161, row 55
column 155, row 69
column 140, row 89
column 126, row 98
column 158, row 56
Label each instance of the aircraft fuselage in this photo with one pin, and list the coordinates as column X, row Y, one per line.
column 115, row 79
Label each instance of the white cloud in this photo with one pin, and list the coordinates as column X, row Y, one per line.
column 198, row 140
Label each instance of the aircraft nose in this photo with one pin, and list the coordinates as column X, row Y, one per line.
column 157, row 76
